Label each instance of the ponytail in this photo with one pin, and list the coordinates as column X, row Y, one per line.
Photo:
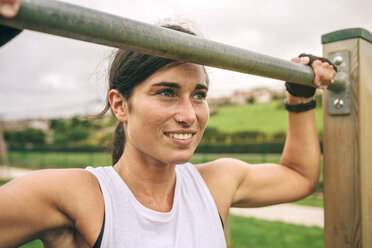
column 118, row 141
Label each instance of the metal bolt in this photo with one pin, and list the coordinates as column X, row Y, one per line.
column 338, row 60
column 338, row 103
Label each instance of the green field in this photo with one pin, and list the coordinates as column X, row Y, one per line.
column 41, row 160
column 254, row 233
column 269, row 118
column 33, row 244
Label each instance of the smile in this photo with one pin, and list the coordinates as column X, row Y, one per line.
column 180, row 136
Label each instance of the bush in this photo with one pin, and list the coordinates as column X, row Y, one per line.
column 242, row 148
column 29, row 137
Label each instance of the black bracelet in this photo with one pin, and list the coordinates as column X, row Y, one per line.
column 302, row 107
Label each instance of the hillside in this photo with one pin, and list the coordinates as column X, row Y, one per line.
column 269, row 118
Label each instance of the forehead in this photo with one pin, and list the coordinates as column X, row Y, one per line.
column 187, row 73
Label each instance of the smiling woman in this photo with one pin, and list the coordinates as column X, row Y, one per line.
column 151, row 196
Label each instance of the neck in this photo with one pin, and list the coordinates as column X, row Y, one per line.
column 150, row 181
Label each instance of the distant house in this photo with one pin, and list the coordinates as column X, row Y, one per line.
column 258, row 95
column 23, row 124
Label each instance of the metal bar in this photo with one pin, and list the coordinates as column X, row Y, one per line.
column 89, row 25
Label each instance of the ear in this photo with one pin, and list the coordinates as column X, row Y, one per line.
column 119, row 105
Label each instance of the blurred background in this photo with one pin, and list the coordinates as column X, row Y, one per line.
column 50, row 87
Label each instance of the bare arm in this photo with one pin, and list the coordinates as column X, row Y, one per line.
column 236, row 183
column 48, row 200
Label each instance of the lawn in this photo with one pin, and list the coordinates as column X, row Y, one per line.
column 40, row 160
column 269, row 118
column 33, row 244
column 2, row 182
column 254, row 233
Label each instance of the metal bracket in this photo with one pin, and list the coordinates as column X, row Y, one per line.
column 339, row 91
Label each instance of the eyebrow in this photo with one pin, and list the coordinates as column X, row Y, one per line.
column 168, row 84
column 177, row 86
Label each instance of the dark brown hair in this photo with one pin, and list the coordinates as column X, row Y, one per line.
column 128, row 69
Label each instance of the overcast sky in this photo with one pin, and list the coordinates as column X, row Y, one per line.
column 48, row 76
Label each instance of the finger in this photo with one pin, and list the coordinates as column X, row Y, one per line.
column 317, row 81
column 328, row 73
column 318, row 71
column 333, row 73
column 316, row 64
column 304, row 60
column 324, row 72
column 9, row 8
column 297, row 60
column 301, row 60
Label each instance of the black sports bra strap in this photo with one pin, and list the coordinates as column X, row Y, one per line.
column 98, row 242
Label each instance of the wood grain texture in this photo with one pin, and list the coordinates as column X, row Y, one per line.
column 365, row 113
column 341, row 162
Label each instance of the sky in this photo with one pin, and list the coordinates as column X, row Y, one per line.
column 45, row 76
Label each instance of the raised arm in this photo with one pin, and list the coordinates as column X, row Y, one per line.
column 236, row 183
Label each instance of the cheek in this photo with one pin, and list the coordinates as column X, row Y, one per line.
column 149, row 116
column 203, row 115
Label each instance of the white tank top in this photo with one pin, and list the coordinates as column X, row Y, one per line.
column 193, row 221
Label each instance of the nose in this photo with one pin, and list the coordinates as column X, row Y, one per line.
column 185, row 112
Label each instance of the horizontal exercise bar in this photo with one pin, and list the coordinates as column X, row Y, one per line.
column 67, row 20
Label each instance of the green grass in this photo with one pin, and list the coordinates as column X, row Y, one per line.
column 33, row 244
column 313, row 201
column 254, row 233
column 269, row 118
column 248, row 157
column 2, row 182
column 40, row 160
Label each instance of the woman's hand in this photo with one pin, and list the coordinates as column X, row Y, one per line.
column 9, row 8
column 323, row 69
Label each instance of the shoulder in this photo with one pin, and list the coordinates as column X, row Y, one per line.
column 229, row 167
column 51, row 180
column 61, row 188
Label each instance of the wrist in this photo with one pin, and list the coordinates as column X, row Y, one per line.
column 299, row 104
column 294, row 100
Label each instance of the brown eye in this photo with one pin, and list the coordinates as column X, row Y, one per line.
column 200, row 95
column 166, row 92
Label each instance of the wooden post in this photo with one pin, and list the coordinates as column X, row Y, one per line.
column 348, row 147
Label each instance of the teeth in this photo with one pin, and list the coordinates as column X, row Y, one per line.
column 180, row 135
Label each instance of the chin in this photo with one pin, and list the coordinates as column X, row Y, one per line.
column 181, row 158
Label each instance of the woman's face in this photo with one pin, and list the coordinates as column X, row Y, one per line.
column 167, row 114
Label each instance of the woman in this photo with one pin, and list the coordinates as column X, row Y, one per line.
column 151, row 196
